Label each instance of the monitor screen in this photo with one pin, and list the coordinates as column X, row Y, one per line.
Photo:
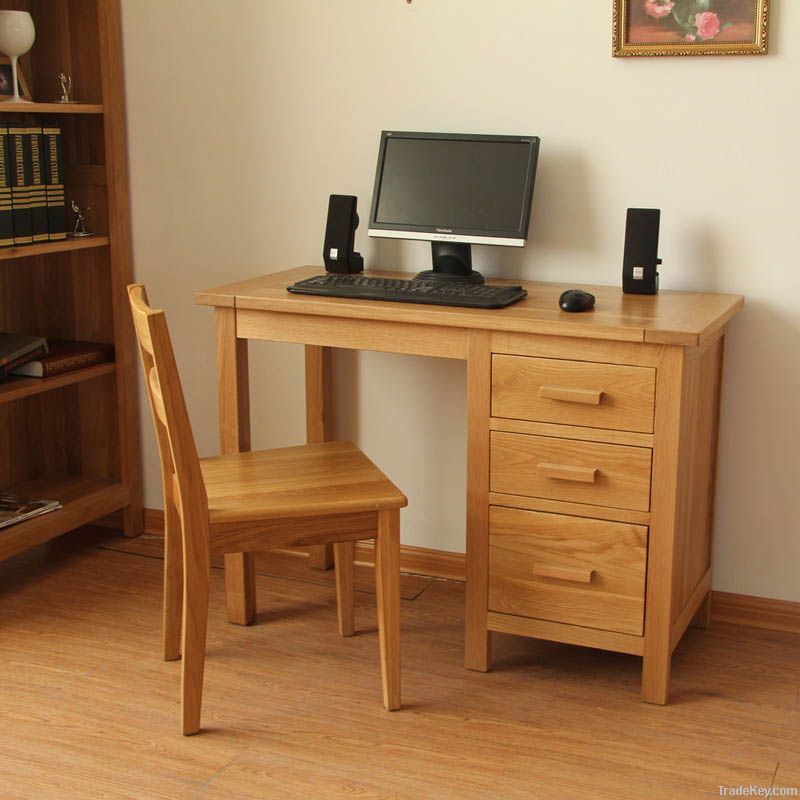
column 454, row 186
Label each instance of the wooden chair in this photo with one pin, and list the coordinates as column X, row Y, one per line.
column 246, row 502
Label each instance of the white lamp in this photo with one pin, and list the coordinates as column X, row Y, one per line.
column 17, row 35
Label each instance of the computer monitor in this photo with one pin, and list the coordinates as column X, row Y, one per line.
column 454, row 190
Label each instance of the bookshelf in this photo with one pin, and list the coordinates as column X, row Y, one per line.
column 28, row 250
column 17, row 387
column 52, row 108
column 74, row 437
column 83, row 498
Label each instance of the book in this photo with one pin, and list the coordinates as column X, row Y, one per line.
column 20, row 171
column 14, row 345
column 65, row 356
column 6, row 209
column 37, row 190
column 20, row 362
column 14, row 509
column 54, row 183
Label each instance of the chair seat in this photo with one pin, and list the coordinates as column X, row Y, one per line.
column 304, row 481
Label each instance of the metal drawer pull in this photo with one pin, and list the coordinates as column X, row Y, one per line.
column 589, row 397
column 567, row 472
column 563, row 573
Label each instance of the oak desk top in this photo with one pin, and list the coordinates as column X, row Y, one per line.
column 681, row 318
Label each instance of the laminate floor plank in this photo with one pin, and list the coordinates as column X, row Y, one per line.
column 787, row 773
column 291, row 710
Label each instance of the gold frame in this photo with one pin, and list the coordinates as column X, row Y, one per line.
column 620, row 47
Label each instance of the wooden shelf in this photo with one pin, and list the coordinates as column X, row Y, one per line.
column 83, row 500
column 27, row 250
column 50, row 108
column 16, row 387
column 73, row 289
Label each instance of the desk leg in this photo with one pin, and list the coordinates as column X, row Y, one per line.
column 318, row 425
column 233, row 384
column 657, row 665
column 477, row 637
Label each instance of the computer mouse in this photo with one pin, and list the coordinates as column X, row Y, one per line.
column 576, row 300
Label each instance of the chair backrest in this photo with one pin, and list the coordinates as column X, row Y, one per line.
column 180, row 466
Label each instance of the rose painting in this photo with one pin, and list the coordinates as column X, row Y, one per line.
column 690, row 27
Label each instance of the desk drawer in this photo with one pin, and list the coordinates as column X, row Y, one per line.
column 573, row 393
column 612, row 475
column 567, row 569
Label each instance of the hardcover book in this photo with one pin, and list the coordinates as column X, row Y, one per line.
column 16, row 350
column 14, row 345
column 20, row 362
column 37, row 192
column 54, row 183
column 66, row 356
column 21, row 168
column 6, row 209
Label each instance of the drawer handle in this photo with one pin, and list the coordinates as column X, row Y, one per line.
column 567, row 472
column 589, row 397
column 563, row 573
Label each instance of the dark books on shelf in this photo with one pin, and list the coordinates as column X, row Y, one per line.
column 66, row 356
column 17, row 350
column 32, row 201
column 15, row 509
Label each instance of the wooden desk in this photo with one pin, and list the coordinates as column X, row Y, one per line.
column 591, row 456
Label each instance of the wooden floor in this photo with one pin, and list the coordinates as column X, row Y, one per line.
column 292, row 711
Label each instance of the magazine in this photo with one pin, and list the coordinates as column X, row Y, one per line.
column 15, row 509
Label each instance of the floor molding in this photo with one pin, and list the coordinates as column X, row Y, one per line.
column 420, row 561
column 416, row 560
column 154, row 521
column 739, row 609
column 756, row 612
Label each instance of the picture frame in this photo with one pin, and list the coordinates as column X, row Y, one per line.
column 6, row 80
column 690, row 27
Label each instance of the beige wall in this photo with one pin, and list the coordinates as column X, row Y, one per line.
column 245, row 115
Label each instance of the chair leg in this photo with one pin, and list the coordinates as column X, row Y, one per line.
column 173, row 583
column 343, row 554
column 195, row 619
column 240, row 587
column 387, row 583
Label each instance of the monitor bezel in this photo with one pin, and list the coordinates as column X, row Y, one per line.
column 509, row 238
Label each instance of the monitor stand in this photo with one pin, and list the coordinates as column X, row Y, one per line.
column 452, row 261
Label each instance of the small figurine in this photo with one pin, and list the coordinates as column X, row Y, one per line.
column 79, row 231
column 66, row 88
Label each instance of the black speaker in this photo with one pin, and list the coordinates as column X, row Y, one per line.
column 640, row 262
column 340, row 235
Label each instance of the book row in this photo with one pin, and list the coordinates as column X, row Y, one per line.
column 36, row 357
column 32, row 202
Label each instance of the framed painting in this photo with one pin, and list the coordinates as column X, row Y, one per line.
column 690, row 27
column 7, row 82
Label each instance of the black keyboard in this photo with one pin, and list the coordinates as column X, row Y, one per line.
column 431, row 292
